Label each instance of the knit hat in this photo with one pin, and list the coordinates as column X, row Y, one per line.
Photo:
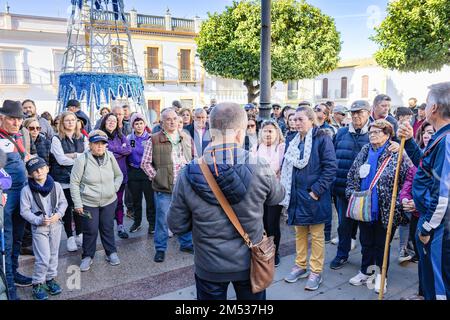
column 34, row 164
column 136, row 116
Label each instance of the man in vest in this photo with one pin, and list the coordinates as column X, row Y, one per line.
column 11, row 118
column 165, row 154
column 431, row 193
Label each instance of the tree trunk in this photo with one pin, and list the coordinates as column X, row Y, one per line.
column 253, row 89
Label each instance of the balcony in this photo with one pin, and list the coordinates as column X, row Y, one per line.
column 154, row 75
column 14, row 77
column 146, row 21
column 186, row 76
column 183, row 25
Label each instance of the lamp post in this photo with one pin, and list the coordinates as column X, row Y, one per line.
column 265, row 68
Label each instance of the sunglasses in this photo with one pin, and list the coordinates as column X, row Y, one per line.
column 34, row 128
column 317, row 109
column 251, row 126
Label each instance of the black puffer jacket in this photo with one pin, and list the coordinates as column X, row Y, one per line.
column 220, row 252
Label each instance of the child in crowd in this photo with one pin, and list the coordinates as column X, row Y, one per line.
column 42, row 203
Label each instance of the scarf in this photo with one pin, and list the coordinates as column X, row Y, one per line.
column 292, row 159
column 42, row 190
column 372, row 160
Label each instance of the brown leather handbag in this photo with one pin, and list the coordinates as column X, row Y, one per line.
column 262, row 267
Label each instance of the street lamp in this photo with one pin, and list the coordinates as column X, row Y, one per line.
column 265, row 68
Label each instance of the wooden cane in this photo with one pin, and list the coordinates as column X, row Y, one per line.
column 391, row 219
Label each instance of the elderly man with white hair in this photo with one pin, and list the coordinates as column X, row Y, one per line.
column 165, row 154
column 431, row 193
column 199, row 131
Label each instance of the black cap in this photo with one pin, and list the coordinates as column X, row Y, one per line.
column 34, row 164
column 422, row 106
column 73, row 103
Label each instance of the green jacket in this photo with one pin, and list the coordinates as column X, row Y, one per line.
column 93, row 185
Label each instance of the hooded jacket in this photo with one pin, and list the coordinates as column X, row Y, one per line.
column 248, row 183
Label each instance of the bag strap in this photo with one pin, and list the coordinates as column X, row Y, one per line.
column 223, row 201
column 380, row 171
column 53, row 200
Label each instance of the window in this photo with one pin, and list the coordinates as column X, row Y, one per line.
column 58, row 57
column 154, row 108
column 11, row 71
column 153, row 72
column 292, row 89
column 365, row 86
column 117, row 58
column 187, row 103
column 344, row 88
column 325, row 88
column 185, row 65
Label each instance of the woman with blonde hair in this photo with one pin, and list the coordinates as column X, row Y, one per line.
column 271, row 148
column 66, row 146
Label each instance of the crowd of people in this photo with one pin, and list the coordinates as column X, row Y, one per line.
column 66, row 174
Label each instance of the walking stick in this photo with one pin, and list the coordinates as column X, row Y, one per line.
column 391, row 219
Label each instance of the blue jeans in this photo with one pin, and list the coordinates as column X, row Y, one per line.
column 14, row 229
column 208, row 290
column 346, row 230
column 162, row 204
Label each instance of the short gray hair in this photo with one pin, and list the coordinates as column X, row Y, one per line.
column 199, row 111
column 165, row 111
column 440, row 95
column 228, row 116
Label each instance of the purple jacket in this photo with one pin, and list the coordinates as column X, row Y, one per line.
column 137, row 147
column 121, row 148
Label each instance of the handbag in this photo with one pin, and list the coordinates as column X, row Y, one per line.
column 360, row 203
column 262, row 265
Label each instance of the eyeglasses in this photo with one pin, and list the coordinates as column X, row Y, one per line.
column 375, row 132
column 34, row 128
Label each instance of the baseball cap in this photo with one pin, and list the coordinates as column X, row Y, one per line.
column 360, row 105
column 34, row 164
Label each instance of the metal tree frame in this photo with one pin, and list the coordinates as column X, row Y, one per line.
column 99, row 63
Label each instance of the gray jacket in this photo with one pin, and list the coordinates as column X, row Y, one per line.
column 46, row 128
column 28, row 206
column 220, row 252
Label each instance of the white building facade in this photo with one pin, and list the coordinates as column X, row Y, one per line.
column 32, row 48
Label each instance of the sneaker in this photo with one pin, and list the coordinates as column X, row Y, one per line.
column 86, row 264
column 53, row 287
column 295, row 274
column 113, row 259
column 122, row 234
column 359, row 279
column 22, row 281
column 188, row 249
column 159, row 256
column 353, row 245
column 338, row 263
column 79, row 240
column 277, row 259
column 415, row 259
column 335, row 241
column 135, row 228
column 151, row 229
column 327, row 241
column 39, row 292
column 170, row 234
column 378, row 284
column 71, row 244
column 404, row 255
column 314, row 281
column 26, row 251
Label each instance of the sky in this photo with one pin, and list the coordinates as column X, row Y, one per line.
column 354, row 19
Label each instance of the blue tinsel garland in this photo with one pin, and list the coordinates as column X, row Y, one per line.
column 92, row 85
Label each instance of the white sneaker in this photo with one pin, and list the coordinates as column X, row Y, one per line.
column 170, row 234
column 359, row 279
column 71, row 244
column 79, row 240
column 378, row 284
column 353, row 246
column 335, row 241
